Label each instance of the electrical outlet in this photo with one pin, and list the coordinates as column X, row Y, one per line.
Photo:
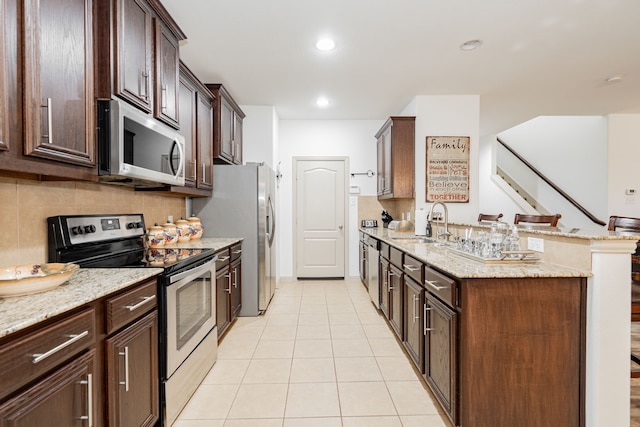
column 535, row 244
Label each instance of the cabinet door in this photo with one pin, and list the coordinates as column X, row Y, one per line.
column 223, row 306
column 236, row 287
column 66, row 397
column 396, row 302
column 132, row 374
column 387, row 184
column 384, row 287
column 58, row 80
column 414, row 321
column 441, row 368
column 227, row 122
column 237, row 139
column 205, row 142
column 133, row 45
column 4, row 95
column 167, row 61
column 363, row 263
column 380, row 167
column 187, row 114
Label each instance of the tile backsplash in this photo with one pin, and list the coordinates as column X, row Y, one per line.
column 25, row 206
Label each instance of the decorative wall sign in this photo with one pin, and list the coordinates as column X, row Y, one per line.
column 448, row 169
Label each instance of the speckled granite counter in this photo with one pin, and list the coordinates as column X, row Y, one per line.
column 86, row 285
column 209, row 243
column 443, row 258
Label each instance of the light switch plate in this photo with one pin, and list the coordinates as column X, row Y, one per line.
column 535, row 244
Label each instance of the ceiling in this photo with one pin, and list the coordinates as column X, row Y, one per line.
column 538, row 57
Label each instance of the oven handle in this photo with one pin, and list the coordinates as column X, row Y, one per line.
column 194, row 271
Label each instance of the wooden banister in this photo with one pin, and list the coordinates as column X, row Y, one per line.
column 552, row 185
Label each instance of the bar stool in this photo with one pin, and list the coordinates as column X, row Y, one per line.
column 489, row 218
column 551, row 220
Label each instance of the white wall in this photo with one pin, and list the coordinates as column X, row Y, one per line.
column 624, row 169
column 447, row 115
column 259, row 134
column 354, row 139
column 572, row 152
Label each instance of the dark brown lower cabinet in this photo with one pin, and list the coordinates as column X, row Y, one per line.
column 223, row 290
column 236, row 289
column 414, row 321
column 441, row 355
column 497, row 352
column 66, row 397
column 395, row 299
column 384, row 286
column 132, row 372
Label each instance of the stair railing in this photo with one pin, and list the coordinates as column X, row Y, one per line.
column 553, row 185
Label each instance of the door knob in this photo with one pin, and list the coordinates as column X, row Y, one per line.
column 340, row 226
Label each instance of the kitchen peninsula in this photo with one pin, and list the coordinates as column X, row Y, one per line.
column 499, row 343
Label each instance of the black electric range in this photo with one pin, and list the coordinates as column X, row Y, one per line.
column 106, row 241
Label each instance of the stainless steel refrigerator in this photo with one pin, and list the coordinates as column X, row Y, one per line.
column 243, row 205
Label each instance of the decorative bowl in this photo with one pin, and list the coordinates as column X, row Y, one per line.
column 33, row 278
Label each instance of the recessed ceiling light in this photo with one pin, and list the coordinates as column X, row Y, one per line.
column 325, row 44
column 614, row 79
column 322, row 102
column 471, row 45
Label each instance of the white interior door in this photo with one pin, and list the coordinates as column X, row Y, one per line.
column 320, row 217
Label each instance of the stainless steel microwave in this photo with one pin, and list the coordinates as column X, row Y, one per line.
column 135, row 149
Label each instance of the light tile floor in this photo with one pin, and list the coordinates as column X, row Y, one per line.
column 321, row 356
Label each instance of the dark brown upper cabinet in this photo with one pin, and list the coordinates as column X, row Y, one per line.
column 133, row 50
column 228, row 117
column 167, row 61
column 396, row 161
column 145, row 49
column 59, row 106
column 196, row 125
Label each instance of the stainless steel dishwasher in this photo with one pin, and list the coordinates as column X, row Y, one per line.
column 373, row 262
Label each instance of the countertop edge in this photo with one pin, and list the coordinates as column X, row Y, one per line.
column 440, row 257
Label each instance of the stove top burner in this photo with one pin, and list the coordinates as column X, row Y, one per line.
column 107, row 241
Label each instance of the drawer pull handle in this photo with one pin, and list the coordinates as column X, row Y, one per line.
column 125, row 354
column 432, row 283
column 239, row 251
column 411, row 267
column 72, row 338
column 141, row 303
column 224, row 258
column 89, row 416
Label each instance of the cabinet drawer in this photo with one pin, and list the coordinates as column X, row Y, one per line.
column 395, row 256
column 30, row 356
column 224, row 255
column 440, row 285
column 127, row 307
column 236, row 251
column 414, row 268
column 384, row 249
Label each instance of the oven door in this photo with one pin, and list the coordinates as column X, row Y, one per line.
column 191, row 312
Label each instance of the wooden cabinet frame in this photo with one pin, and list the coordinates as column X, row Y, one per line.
column 48, row 130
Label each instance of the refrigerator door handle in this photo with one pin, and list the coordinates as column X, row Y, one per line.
column 271, row 221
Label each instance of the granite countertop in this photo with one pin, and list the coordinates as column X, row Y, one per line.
column 86, row 285
column 446, row 260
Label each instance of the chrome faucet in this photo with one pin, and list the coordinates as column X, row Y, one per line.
column 446, row 233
